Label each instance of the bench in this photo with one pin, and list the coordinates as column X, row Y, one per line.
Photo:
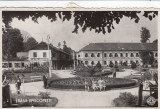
column 33, row 78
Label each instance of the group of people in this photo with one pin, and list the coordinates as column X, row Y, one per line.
column 95, row 85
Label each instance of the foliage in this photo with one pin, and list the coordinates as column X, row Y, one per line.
column 111, row 64
column 145, row 35
column 98, row 65
column 125, row 63
column 147, row 57
column 12, row 42
column 133, row 65
column 44, row 95
column 99, row 21
column 30, row 43
column 78, row 82
column 155, row 41
column 125, row 99
column 86, row 74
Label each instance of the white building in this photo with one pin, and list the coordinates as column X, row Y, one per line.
column 115, row 53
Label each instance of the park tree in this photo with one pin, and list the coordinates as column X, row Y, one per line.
column 30, row 43
column 145, row 35
column 98, row 65
column 146, row 56
column 98, row 21
column 12, row 42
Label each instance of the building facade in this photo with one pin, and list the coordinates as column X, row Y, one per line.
column 107, row 53
column 43, row 53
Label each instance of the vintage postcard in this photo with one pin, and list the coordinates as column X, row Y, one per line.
column 79, row 58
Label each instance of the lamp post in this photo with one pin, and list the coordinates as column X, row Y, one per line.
column 49, row 58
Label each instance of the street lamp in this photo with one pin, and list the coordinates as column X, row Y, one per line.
column 49, row 58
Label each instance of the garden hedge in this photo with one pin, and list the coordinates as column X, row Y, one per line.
column 78, row 82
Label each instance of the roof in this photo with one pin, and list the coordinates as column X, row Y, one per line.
column 44, row 46
column 121, row 47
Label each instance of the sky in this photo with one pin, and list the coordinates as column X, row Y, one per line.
column 126, row 31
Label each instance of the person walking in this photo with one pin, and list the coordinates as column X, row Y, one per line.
column 45, row 81
column 18, row 84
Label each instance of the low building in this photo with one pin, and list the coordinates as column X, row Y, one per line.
column 107, row 53
column 43, row 53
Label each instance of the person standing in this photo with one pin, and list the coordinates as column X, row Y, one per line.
column 114, row 73
column 45, row 81
column 18, row 84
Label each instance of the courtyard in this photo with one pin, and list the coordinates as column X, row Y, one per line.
column 78, row 98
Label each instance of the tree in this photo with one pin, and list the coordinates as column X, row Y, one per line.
column 145, row 35
column 155, row 41
column 111, row 64
column 12, row 42
column 98, row 65
column 99, row 21
column 133, row 65
column 30, row 43
column 147, row 57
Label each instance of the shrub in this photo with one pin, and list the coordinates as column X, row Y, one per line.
column 98, row 65
column 125, row 100
column 133, row 65
column 111, row 64
column 78, row 82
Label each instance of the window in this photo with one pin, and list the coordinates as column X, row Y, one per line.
column 44, row 54
column 137, row 55
column 78, row 55
column 110, row 55
column 156, row 55
column 131, row 62
column 34, row 54
column 126, row 54
column 5, row 65
column 105, row 62
column 86, row 62
column 92, row 63
column 98, row 55
column 86, row 54
column 105, row 55
column 17, row 65
column 121, row 54
column 10, row 64
column 115, row 55
column 92, row 55
column 132, row 55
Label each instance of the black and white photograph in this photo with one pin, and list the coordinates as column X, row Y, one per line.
column 77, row 58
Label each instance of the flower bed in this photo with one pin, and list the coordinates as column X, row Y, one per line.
column 78, row 82
column 84, row 74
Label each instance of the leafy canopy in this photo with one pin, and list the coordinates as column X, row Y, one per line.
column 12, row 42
column 99, row 21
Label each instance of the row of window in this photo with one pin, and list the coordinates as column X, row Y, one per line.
column 111, row 55
column 35, row 54
column 10, row 65
column 115, row 62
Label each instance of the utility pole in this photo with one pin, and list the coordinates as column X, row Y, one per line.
column 74, row 60
column 49, row 58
